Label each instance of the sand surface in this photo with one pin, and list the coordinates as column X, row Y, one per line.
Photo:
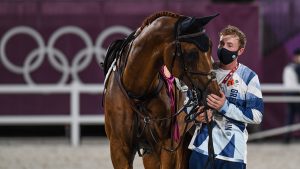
column 20, row 153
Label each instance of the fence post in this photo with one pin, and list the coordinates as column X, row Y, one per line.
column 75, row 108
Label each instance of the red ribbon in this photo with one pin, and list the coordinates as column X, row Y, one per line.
column 170, row 82
column 230, row 74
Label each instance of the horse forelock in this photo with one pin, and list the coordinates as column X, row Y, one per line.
column 153, row 17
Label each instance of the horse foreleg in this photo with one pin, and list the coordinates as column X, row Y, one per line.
column 183, row 154
column 168, row 160
column 151, row 161
column 121, row 151
column 122, row 155
column 160, row 159
column 182, row 160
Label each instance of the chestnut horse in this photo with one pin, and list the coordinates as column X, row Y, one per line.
column 136, row 102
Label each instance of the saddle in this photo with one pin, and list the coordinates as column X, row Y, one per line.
column 111, row 53
column 114, row 51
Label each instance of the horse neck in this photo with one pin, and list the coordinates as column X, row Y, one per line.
column 146, row 56
column 140, row 75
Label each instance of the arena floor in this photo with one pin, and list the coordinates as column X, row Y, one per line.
column 37, row 153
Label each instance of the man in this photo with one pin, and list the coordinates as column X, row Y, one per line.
column 291, row 78
column 240, row 104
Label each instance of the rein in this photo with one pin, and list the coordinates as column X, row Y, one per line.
column 192, row 117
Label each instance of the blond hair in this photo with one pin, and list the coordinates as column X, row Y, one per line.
column 232, row 30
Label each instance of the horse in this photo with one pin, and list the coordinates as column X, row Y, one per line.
column 136, row 103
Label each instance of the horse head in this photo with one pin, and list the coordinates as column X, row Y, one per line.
column 189, row 56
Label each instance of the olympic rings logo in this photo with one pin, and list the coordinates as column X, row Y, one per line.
column 35, row 58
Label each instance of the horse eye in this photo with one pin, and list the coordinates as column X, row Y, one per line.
column 192, row 56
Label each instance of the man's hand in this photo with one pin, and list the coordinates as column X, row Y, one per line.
column 201, row 117
column 215, row 101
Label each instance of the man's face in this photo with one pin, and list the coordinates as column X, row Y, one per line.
column 297, row 59
column 229, row 42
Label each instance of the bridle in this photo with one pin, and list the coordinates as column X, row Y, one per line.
column 210, row 75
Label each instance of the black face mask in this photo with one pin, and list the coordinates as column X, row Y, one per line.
column 226, row 56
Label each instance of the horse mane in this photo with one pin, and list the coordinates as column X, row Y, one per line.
column 154, row 16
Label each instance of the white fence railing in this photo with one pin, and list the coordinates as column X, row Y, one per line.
column 277, row 98
column 48, row 51
column 75, row 119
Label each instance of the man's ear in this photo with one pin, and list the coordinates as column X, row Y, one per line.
column 241, row 51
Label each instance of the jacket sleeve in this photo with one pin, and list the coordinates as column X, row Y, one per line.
column 251, row 110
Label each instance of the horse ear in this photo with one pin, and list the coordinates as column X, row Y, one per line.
column 193, row 25
column 187, row 25
column 204, row 20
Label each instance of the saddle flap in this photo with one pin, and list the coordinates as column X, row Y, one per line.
column 111, row 54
